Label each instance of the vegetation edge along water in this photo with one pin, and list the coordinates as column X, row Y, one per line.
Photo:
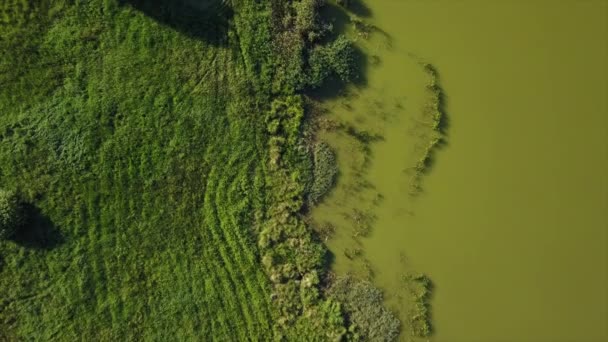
column 143, row 142
column 434, row 113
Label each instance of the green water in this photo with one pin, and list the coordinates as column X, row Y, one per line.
column 511, row 224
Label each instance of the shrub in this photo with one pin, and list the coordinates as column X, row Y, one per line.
column 336, row 59
column 342, row 58
column 10, row 214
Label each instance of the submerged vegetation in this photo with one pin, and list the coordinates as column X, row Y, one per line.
column 419, row 290
column 369, row 319
column 324, row 171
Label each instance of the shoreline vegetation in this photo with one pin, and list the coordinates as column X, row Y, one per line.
column 416, row 289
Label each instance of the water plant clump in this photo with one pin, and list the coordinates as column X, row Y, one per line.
column 362, row 222
column 325, row 230
column 434, row 117
column 325, row 171
column 367, row 318
column 419, row 287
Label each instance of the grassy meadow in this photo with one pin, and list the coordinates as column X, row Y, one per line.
column 157, row 148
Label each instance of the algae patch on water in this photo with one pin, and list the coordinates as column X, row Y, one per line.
column 430, row 127
column 385, row 135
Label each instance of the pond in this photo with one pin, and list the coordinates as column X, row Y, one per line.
column 509, row 218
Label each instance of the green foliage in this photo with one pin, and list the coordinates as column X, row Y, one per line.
column 296, row 25
column 324, row 171
column 292, row 260
column 11, row 216
column 336, row 59
column 362, row 303
column 301, row 59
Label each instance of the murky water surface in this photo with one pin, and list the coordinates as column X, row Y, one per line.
column 511, row 224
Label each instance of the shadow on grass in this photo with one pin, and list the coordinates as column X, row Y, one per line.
column 39, row 232
column 206, row 20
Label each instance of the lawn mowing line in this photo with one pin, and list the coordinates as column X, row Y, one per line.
column 245, row 232
column 255, row 289
column 212, row 222
column 236, row 280
column 244, row 263
column 194, row 282
column 106, row 237
column 226, row 233
column 91, row 255
column 213, row 272
column 121, row 199
column 246, row 275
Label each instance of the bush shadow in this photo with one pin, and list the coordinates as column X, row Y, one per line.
column 358, row 7
column 39, row 232
column 207, row 20
column 337, row 17
column 333, row 87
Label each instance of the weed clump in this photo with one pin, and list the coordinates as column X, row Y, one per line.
column 336, row 59
column 292, row 259
column 434, row 112
column 324, row 171
column 367, row 318
column 420, row 289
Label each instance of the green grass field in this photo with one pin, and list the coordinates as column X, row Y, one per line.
column 158, row 148
column 138, row 140
column 139, row 146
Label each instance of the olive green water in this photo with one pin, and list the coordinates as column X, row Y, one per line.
column 511, row 224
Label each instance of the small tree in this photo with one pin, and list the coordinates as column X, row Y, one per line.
column 10, row 214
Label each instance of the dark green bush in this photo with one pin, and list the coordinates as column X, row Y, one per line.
column 336, row 59
column 342, row 58
column 10, row 214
